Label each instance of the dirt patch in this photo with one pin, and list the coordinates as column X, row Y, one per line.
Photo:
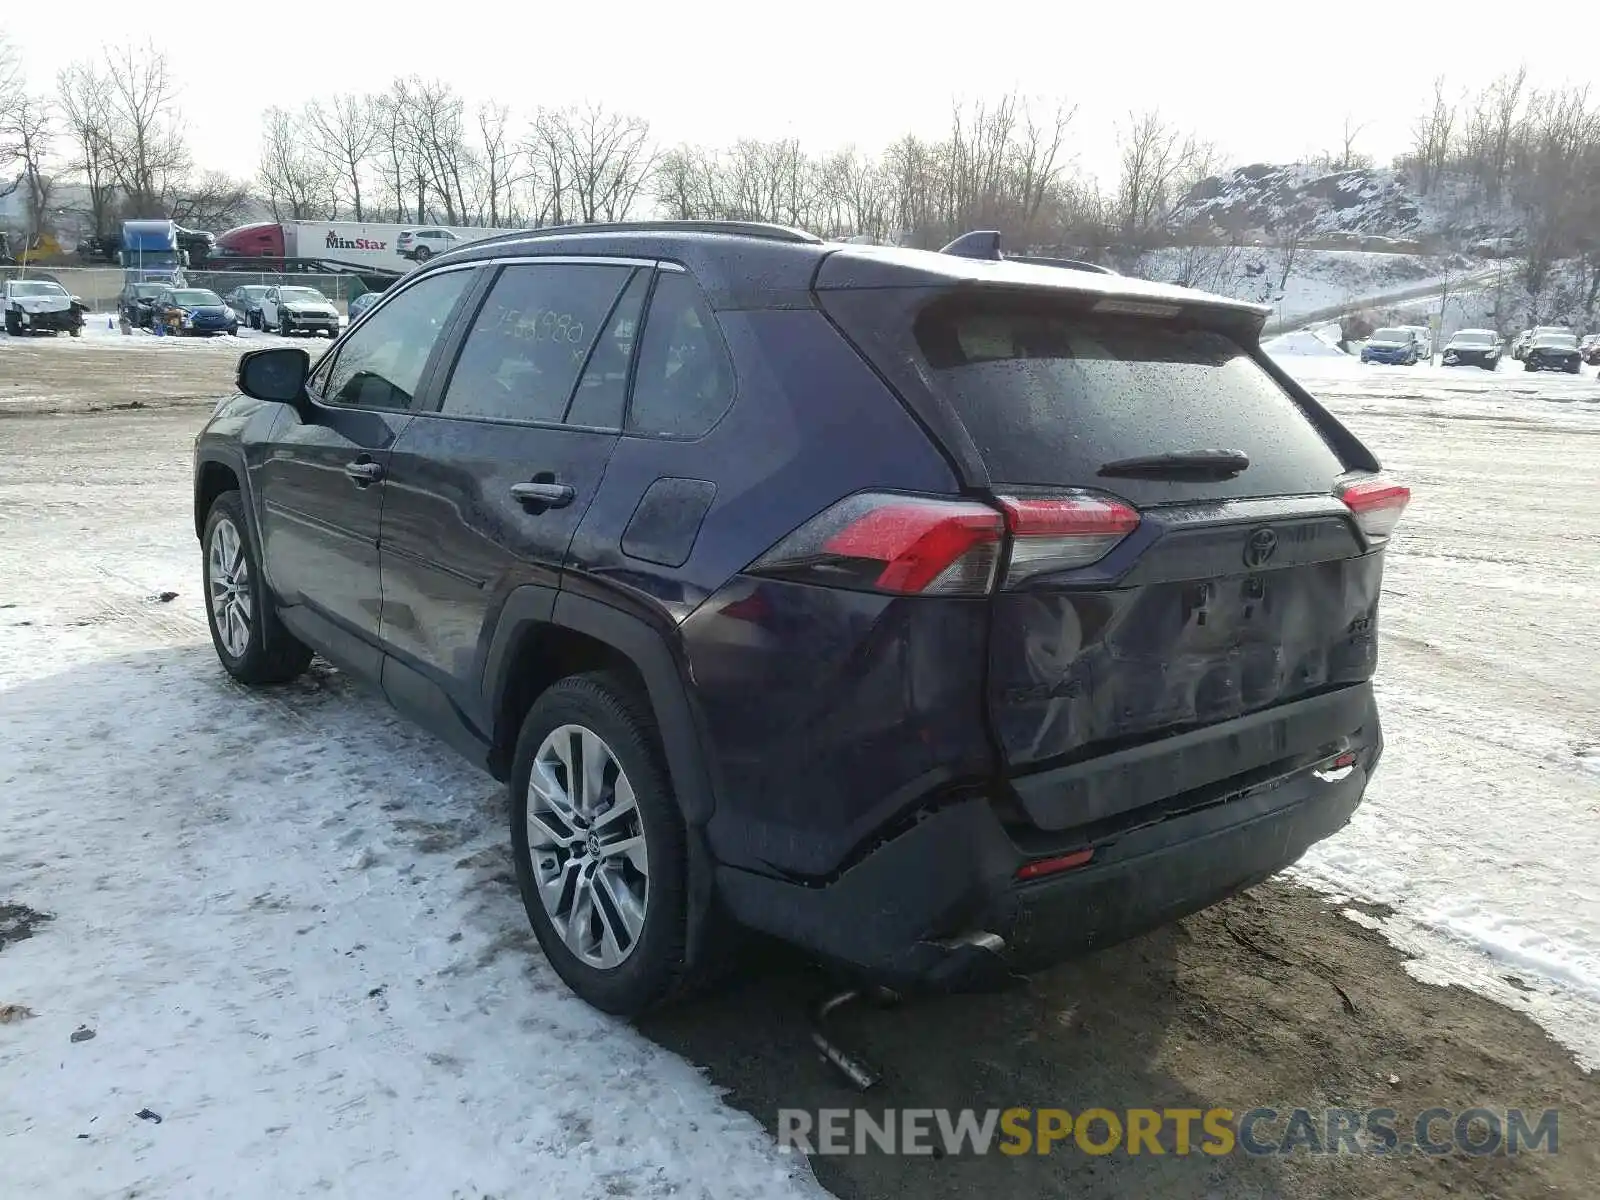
column 1273, row 999
column 18, row 921
column 56, row 375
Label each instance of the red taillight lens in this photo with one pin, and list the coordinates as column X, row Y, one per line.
column 908, row 545
column 1063, row 533
column 1377, row 502
column 1041, row 867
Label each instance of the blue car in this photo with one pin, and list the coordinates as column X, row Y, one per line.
column 192, row 310
column 1393, row 346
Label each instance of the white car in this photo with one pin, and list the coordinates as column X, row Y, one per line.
column 298, row 310
column 419, row 245
column 1424, row 337
column 40, row 306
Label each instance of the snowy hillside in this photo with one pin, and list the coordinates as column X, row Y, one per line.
column 1381, row 202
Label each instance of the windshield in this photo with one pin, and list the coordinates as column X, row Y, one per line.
column 254, row 291
column 1473, row 337
column 196, row 297
column 302, row 295
column 37, row 288
column 146, row 290
column 1391, row 335
column 1051, row 395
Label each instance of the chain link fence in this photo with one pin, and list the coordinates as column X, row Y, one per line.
column 99, row 287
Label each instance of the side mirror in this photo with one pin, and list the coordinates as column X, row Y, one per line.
column 277, row 375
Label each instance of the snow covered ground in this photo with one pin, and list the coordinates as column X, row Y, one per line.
column 289, row 919
column 1482, row 828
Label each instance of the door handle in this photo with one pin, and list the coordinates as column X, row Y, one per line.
column 364, row 472
column 550, row 495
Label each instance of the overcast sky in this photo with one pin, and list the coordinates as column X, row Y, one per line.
column 1266, row 81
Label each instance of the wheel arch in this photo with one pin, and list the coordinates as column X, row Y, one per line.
column 544, row 635
column 215, row 473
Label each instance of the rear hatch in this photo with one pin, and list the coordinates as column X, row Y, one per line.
column 1184, row 542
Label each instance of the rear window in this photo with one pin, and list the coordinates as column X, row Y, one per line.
column 1049, row 396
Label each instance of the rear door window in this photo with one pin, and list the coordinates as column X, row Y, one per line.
column 1050, row 395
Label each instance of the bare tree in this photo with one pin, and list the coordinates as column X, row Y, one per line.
column 1156, row 159
column 1348, row 158
column 594, row 163
column 89, row 115
column 298, row 184
column 27, row 136
column 212, row 200
column 501, row 165
column 148, row 157
column 1432, row 139
column 346, row 134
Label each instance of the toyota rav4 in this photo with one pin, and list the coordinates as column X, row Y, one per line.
column 943, row 613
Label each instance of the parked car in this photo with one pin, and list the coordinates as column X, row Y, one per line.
column 1424, row 338
column 1589, row 348
column 1527, row 338
column 361, row 303
column 419, row 245
column 1473, row 347
column 1553, row 351
column 1395, row 345
column 40, row 306
column 135, row 304
column 1018, row 669
column 298, row 310
column 197, row 311
column 245, row 300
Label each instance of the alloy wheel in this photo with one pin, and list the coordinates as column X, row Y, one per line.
column 587, row 846
column 228, row 581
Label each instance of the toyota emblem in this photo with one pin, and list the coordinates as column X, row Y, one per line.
column 1259, row 548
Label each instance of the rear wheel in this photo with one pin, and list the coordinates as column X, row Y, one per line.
column 251, row 643
column 599, row 844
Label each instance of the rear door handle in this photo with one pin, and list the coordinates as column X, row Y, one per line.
column 550, row 495
column 364, row 472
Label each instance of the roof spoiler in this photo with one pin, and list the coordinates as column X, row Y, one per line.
column 985, row 244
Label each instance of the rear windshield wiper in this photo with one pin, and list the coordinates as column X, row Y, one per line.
column 1180, row 464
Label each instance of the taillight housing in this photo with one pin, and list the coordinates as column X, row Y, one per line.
column 1377, row 502
column 928, row 546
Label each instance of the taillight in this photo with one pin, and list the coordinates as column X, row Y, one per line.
column 1063, row 533
column 907, row 545
column 915, row 545
column 1377, row 502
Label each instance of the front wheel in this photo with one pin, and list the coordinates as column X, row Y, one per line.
column 1528, row 366
column 599, row 844
column 423, row 254
column 251, row 643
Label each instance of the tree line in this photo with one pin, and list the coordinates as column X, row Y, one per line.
column 420, row 152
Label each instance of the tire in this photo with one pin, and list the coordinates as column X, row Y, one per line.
column 590, row 714
column 76, row 331
column 254, row 320
column 422, row 254
column 13, row 326
column 1528, row 366
column 266, row 652
column 284, row 329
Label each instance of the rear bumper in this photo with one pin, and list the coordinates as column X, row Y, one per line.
column 939, row 907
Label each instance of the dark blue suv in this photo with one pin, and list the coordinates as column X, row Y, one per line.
column 943, row 613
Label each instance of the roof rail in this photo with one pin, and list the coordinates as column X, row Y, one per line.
column 985, row 244
column 750, row 229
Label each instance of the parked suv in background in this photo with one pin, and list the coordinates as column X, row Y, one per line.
column 298, row 310
column 944, row 615
column 419, row 245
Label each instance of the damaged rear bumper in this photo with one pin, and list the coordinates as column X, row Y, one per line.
column 939, row 907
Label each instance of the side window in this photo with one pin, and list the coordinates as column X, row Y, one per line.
column 530, row 340
column 603, row 390
column 684, row 382
column 380, row 364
